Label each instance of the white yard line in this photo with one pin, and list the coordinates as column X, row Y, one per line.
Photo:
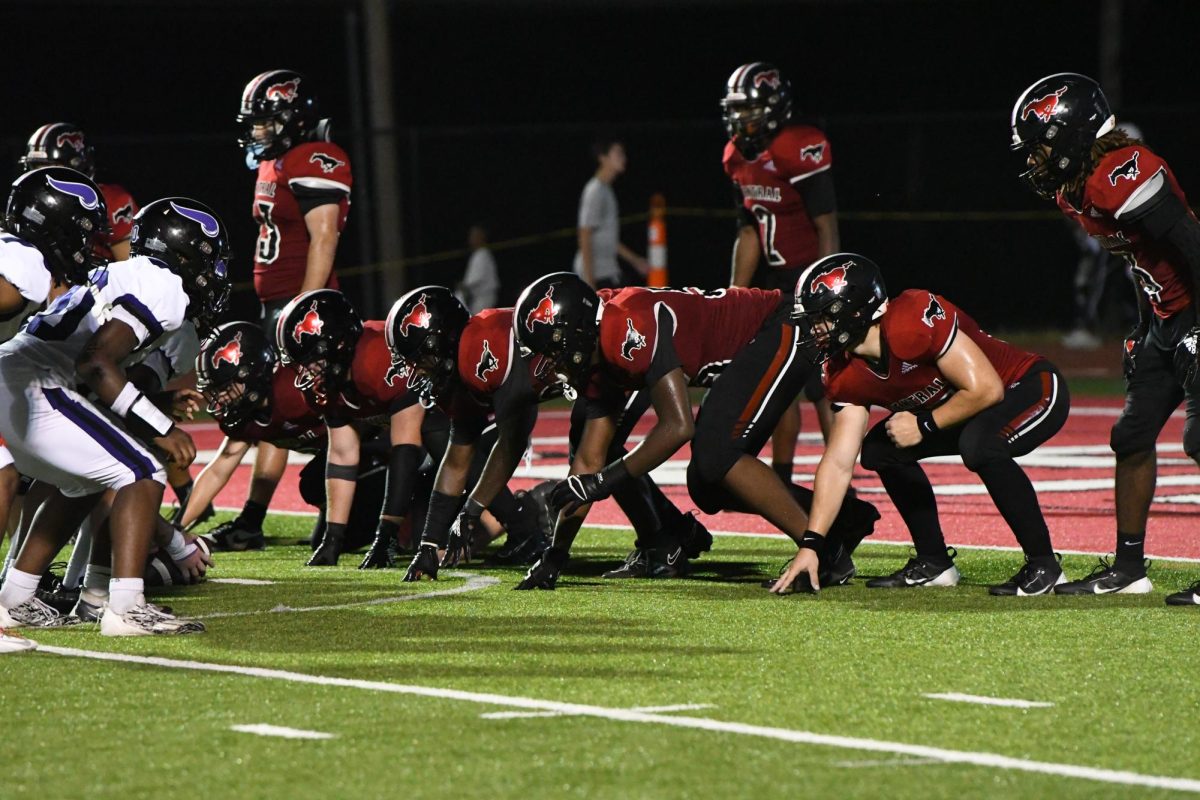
column 981, row 759
column 241, row 581
column 887, row 762
column 647, row 709
column 283, row 733
column 1007, row 702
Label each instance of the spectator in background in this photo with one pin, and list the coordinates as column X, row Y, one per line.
column 599, row 222
column 480, row 286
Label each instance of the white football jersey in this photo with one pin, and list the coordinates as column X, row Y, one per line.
column 173, row 356
column 22, row 265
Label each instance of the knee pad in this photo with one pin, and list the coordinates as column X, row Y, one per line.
column 1130, row 436
column 704, row 487
column 979, row 451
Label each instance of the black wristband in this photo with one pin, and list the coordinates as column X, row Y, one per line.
column 442, row 510
column 925, row 423
column 387, row 529
column 335, row 531
column 473, row 507
column 811, row 540
column 614, row 474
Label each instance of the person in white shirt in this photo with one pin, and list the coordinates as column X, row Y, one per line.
column 480, row 287
column 600, row 224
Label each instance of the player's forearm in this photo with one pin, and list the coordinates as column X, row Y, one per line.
column 745, row 257
column 452, row 472
column 208, row 484
column 966, row 403
column 674, row 428
column 319, row 266
column 829, row 490
column 502, row 462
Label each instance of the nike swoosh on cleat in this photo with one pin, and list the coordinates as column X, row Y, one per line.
column 671, row 559
column 1097, row 590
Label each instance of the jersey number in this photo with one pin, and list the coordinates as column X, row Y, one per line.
column 267, row 248
column 766, row 234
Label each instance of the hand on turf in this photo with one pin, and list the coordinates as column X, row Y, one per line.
column 425, row 562
column 902, row 429
column 179, row 447
column 805, row 562
column 462, row 535
column 544, row 573
column 185, row 403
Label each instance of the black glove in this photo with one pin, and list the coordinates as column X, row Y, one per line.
column 425, row 562
column 1186, row 354
column 382, row 554
column 331, row 546
column 544, row 574
column 1133, row 346
column 462, row 534
column 578, row 490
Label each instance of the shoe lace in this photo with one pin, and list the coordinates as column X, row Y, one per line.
column 37, row 612
column 1099, row 569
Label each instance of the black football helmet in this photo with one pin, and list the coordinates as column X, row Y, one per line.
column 192, row 241
column 58, row 144
column 58, row 210
column 1065, row 113
column 234, row 372
column 422, row 332
column 282, row 100
column 317, row 332
column 837, row 299
column 556, row 318
column 756, row 106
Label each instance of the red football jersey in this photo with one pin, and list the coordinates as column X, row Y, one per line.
column 292, row 424
column 708, row 328
column 769, row 191
column 917, row 329
column 492, row 369
column 121, row 210
column 281, row 253
column 374, row 391
column 1121, row 181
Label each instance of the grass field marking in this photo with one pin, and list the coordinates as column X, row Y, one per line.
column 647, row 709
column 281, row 732
column 887, row 762
column 1007, row 702
column 980, row 759
column 242, row 581
column 474, row 584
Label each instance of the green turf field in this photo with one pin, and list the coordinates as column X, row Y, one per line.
column 1121, row 673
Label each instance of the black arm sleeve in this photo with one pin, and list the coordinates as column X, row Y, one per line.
column 308, row 198
column 1165, row 217
column 443, row 508
column 403, row 463
column 817, row 191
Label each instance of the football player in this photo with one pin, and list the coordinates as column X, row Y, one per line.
column 301, row 200
column 951, row 390
column 787, row 208
column 661, row 341
column 1124, row 194
column 59, row 436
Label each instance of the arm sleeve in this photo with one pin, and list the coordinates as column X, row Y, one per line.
column 308, row 199
column 818, row 193
column 1163, row 216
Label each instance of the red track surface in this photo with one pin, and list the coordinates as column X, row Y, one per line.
column 1074, row 473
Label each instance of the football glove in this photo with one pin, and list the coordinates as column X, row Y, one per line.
column 579, row 490
column 1129, row 352
column 544, row 574
column 1186, row 354
column 425, row 562
column 382, row 554
column 462, row 534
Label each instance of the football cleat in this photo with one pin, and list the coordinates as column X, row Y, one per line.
column 147, row 619
column 692, row 535
column 518, row 551
column 328, row 553
column 921, row 571
column 831, row 572
column 87, row 612
column 1114, row 578
column 544, row 574
column 53, row 593
column 1186, row 597
column 235, row 537
column 659, row 562
column 33, row 613
column 1036, row 577
column 424, row 563
column 13, row 643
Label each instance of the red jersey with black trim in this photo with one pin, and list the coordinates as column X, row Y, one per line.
column 121, row 210
column 292, row 424
column 707, row 329
column 1122, row 180
column 770, row 191
column 492, row 368
column 281, row 252
column 918, row 328
column 375, row 391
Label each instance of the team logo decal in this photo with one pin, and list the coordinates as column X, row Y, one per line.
column 487, row 363
column 934, row 311
column 73, row 138
column 124, row 213
column 87, row 196
column 286, row 90
column 397, row 370
column 310, row 324
column 231, row 351
column 544, row 312
column 1044, row 107
column 208, row 223
column 1128, row 170
column 419, row 317
column 832, row 279
column 816, row 152
column 770, row 78
column 327, row 163
column 633, row 341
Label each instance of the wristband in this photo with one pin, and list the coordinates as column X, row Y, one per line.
column 180, row 548
column 124, row 400
column 146, row 413
column 925, row 423
column 811, row 540
column 614, row 474
column 473, row 508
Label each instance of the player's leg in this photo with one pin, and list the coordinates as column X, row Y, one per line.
column 783, row 442
column 1190, row 596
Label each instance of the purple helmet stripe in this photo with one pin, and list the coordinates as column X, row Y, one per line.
column 87, row 195
column 208, row 223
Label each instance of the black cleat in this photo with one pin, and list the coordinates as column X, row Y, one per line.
column 382, row 554
column 53, row 593
column 693, row 536
column 855, row 522
column 1106, row 578
column 835, row 571
column 1186, row 597
column 517, row 551
column 662, row 562
column 235, row 536
column 921, row 571
column 1038, row 576
column 424, row 563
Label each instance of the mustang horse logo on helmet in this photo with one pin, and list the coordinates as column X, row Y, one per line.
column 419, row 317
column 311, row 323
column 73, row 138
column 832, row 279
column 286, row 90
column 231, row 351
column 770, row 78
column 544, row 312
column 1044, row 107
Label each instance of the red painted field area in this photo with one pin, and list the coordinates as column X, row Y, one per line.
column 1073, row 474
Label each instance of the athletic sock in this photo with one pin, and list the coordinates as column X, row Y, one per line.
column 252, row 515
column 18, row 587
column 783, row 470
column 124, row 594
column 1131, row 548
column 182, row 492
column 96, row 579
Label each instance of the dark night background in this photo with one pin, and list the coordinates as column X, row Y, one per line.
column 496, row 104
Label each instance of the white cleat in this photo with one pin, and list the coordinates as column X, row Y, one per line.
column 146, row 619
column 33, row 613
column 12, row 643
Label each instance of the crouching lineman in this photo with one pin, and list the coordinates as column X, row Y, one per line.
column 59, row 436
column 661, row 341
column 951, row 389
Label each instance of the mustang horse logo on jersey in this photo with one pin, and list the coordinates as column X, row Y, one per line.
column 124, row 213
column 327, row 163
column 1044, row 107
column 419, row 317
column 544, row 312
column 832, row 279
column 633, row 341
column 311, row 324
column 816, row 152
column 231, row 351
column 487, row 363
column 934, row 311
column 1128, row 170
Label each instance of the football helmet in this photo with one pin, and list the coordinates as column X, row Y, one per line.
column 756, row 106
column 557, row 318
column 58, row 210
column 318, row 332
column 422, row 332
column 234, row 372
column 282, row 101
column 1054, row 124
column 61, row 144
column 837, row 299
column 192, row 241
